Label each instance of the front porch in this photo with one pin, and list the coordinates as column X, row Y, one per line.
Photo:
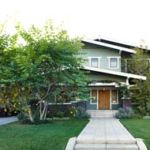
column 103, row 98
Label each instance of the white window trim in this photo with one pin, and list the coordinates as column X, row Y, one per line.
column 91, row 96
column 99, row 60
column 110, row 104
column 111, row 98
column 118, row 60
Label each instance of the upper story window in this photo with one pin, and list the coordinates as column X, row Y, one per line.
column 114, row 62
column 95, row 62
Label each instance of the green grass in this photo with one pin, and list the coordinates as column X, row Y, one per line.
column 52, row 136
column 139, row 128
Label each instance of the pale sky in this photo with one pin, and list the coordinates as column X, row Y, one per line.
column 126, row 21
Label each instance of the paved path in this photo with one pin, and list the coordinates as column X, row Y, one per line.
column 7, row 120
column 105, row 130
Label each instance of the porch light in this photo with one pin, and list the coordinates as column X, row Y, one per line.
column 104, row 89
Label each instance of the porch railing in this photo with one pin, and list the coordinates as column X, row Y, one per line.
column 128, row 67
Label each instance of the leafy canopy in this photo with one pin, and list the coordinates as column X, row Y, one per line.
column 42, row 64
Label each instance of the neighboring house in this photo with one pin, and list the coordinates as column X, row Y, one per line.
column 103, row 63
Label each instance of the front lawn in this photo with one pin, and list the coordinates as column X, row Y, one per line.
column 139, row 128
column 52, row 136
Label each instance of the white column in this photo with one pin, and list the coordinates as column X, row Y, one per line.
column 97, row 98
column 127, row 82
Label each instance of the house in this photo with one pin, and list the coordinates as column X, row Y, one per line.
column 103, row 64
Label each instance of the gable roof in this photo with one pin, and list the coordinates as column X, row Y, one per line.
column 108, row 41
column 114, row 47
column 129, row 46
column 116, row 73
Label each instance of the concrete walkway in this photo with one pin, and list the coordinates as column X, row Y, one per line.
column 7, row 120
column 105, row 130
column 105, row 133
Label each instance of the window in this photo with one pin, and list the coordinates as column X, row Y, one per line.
column 94, row 96
column 114, row 96
column 94, row 62
column 114, row 62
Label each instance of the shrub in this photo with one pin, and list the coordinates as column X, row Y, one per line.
column 23, row 118
column 60, row 114
column 81, row 113
column 124, row 113
column 72, row 112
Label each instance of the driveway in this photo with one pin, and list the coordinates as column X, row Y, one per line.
column 6, row 120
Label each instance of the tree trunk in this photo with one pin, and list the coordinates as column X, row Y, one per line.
column 30, row 116
column 43, row 111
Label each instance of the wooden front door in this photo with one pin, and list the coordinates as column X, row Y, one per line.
column 104, row 100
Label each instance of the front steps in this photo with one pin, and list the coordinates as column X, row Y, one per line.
column 102, row 113
column 106, row 147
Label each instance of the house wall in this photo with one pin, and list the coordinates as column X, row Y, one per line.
column 94, row 106
column 99, row 77
column 102, row 52
column 91, row 106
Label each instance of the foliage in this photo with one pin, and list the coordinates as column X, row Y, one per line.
column 139, row 63
column 23, row 118
column 124, row 92
column 72, row 112
column 125, row 113
column 141, row 92
column 60, row 114
column 44, row 66
column 141, row 96
column 81, row 113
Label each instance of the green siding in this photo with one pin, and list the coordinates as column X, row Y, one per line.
column 115, row 106
column 104, row 53
column 93, row 76
column 90, row 106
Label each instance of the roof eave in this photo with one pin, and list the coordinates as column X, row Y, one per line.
column 122, row 74
column 110, row 46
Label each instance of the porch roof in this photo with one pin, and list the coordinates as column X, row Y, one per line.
column 104, row 84
column 116, row 73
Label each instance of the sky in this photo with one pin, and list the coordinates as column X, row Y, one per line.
column 125, row 21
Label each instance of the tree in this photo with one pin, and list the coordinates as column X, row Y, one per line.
column 8, row 73
column 139, row 64
column 46, row 65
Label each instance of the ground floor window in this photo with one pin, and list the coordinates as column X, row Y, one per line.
column 94, row 96
column 114, row 96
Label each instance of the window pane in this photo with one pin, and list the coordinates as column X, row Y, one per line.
column 114, row 96
column 113, row 62
column 94, row 62
column 94, row 96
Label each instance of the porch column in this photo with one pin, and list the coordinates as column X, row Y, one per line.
column 127, row 82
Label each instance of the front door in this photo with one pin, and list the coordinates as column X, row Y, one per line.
column 104, row 100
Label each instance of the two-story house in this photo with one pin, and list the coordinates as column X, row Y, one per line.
column 104, row 70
